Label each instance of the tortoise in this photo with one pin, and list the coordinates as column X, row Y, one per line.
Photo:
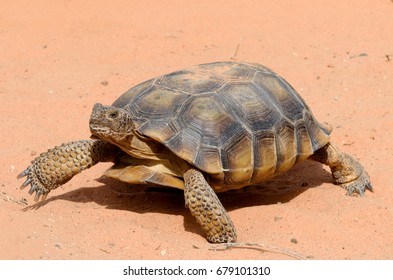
column 204, row 129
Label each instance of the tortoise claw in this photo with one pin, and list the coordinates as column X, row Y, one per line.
column 32, row 189
column 361, row 192
column 369, row 187
column 37, row 196
column 23, row 173
column 25, row 184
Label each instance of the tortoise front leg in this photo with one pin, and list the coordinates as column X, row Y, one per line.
column 205, row 206
column 58, row 165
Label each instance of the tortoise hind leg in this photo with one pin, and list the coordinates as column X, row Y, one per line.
column 205, row 206
column 346, row 171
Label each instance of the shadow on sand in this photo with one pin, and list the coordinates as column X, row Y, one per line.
column 142, row 198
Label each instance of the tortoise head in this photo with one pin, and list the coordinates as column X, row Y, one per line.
column 111, row 124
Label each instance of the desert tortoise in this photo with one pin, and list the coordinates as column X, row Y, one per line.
column 205, row 129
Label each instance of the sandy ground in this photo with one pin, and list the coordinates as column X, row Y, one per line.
column 58, row 58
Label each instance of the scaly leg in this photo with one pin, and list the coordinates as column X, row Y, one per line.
column 205, row 206
column 58, row 165
column 346, row 171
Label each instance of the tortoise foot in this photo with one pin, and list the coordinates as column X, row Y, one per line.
column 351, row 176
column 35, row 184
column 358, row 186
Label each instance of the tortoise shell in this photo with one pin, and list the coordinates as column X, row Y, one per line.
column 239, row 122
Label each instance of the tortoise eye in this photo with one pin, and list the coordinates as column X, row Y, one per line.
column 113, row 114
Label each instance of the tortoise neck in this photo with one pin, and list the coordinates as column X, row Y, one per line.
column 143, row 147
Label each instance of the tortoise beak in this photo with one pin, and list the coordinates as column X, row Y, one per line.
column 97, row 112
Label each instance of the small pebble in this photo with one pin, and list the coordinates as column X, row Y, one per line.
column 276, row 218
column 294, row 240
